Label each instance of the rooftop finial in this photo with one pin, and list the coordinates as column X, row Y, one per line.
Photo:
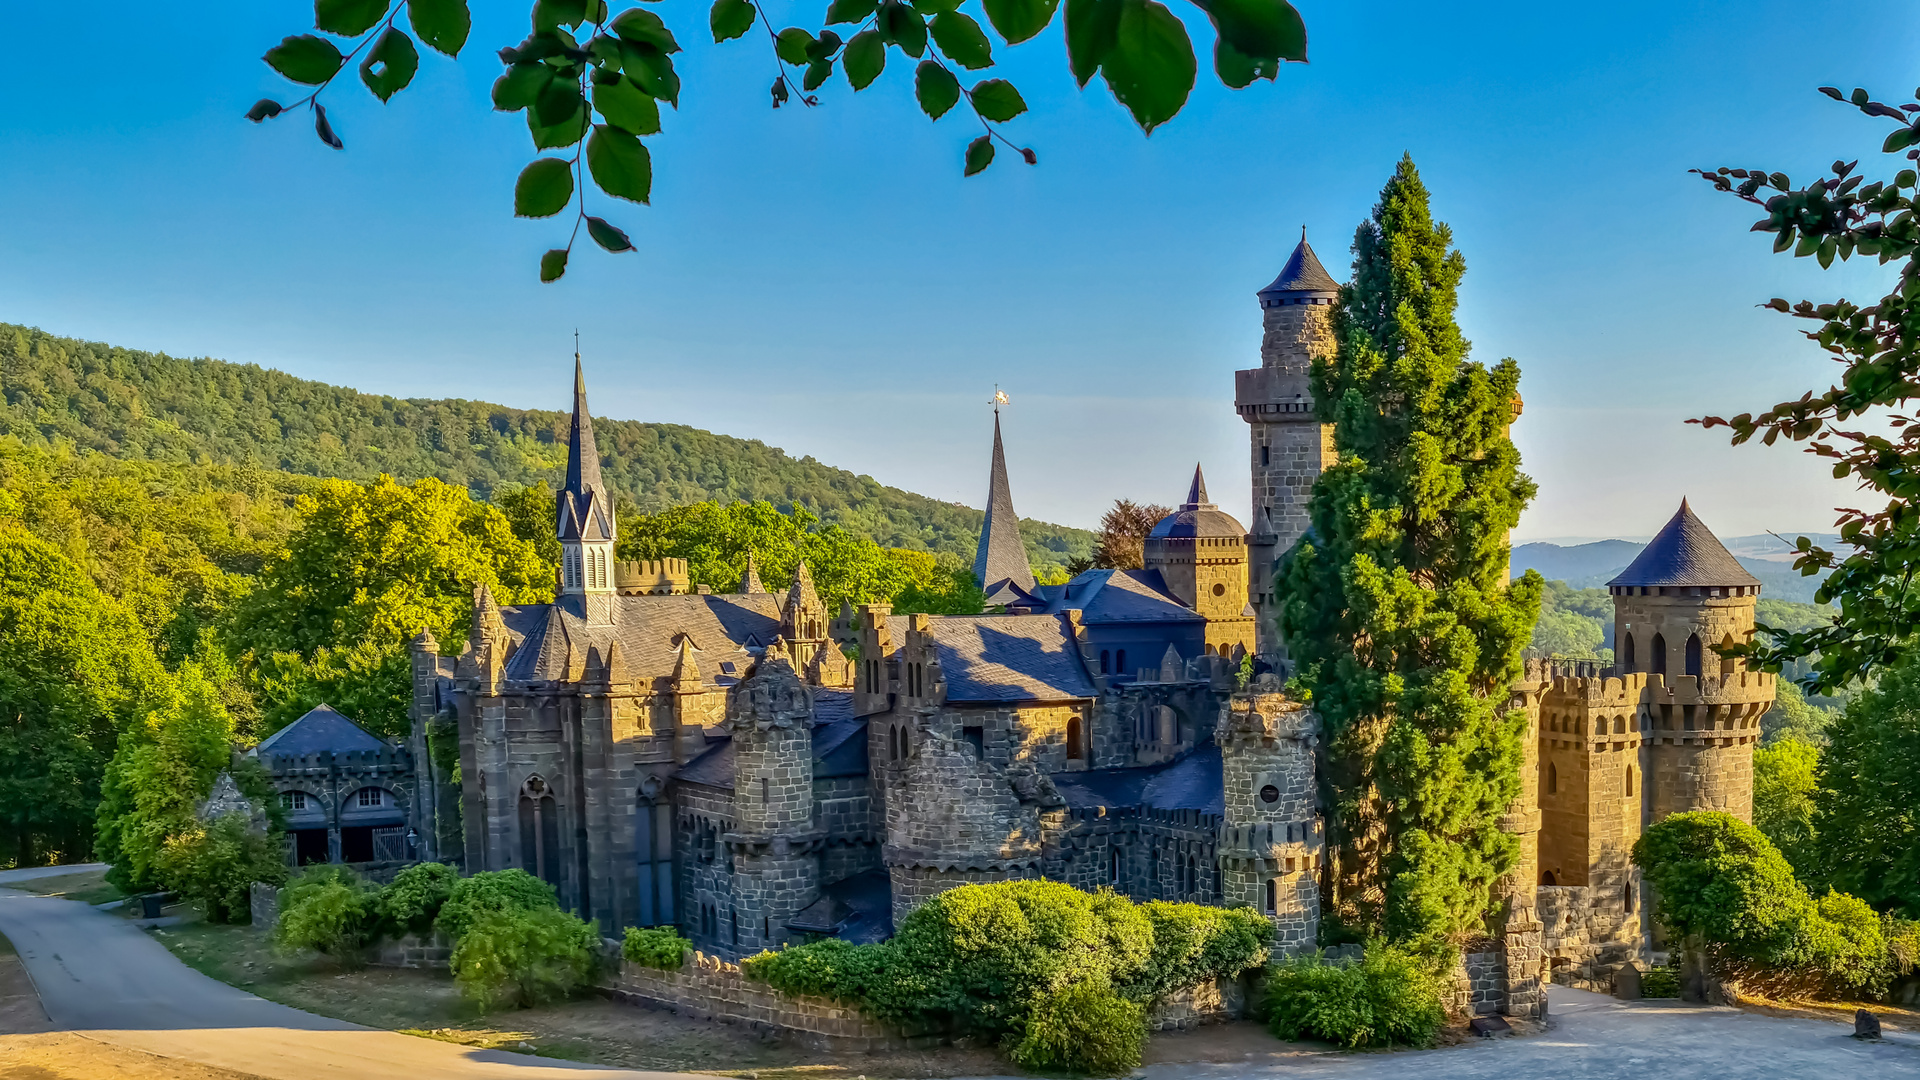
column 999, row 398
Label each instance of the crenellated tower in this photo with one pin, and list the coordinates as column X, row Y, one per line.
column 1291, row 447
column 1272, row 841
column 775, row 843
column 584, row 520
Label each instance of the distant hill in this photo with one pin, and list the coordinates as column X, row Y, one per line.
column 150, row 406
column 1590, row 566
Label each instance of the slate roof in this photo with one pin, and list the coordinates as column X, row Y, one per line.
column 1002, row 555
column 858, row 909
column 1303, row 274
column 649, row 629
column 1119, row 596
column 839, row 745
column 1684, row 552
column 1009, row 658
column 1197, row 517
column 1192, row 782
column 583, row 506
column 321, row 730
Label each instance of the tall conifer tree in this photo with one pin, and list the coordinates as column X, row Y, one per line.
column 1399, row 609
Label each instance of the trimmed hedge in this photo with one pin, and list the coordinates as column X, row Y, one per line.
column 662, row 948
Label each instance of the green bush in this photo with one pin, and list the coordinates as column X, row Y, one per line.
column 493, row 891
column 1388, row 997
column 848, row 973
column 1660, row 982
column 1084, row 1029
column 661, row 948
column 523, row 957
column 1846, row 946
column 329, row 910
column 1720, row 884
column 412, row 901
column 1194, row 943
column 215, row 866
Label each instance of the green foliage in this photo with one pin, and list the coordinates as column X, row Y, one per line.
column 1399, row 611
column 329, row 910
column 1140, row 46
column 524, row 957
column 656, row 947
column 1389, row 997
column 1123, row 534
column 129, row 404
column 1660, row 982
column 411, row 902
column 1086, row 1028
column 1785, row 777
column 369, row 566
column 492, row 892
column 1867, row 808
column 1057, row 975
column 215, row 866
column 1574, row 623
column 1879, row 346
column 1792, row 717
column 75, row 672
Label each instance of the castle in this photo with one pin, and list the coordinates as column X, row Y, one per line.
column 662, row 754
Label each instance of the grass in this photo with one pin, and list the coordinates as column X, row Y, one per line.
column 88, row 887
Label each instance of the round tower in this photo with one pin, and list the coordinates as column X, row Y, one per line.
column 775, row 845
column 1272, row 841
column 1290, row 446
column 1684, row 596
column 1201, row 554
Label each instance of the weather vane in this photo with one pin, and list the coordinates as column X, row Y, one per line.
column 999, row 398
column 576, row 343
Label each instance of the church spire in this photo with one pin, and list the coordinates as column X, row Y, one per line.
column 1002, row 556
column 583, row 515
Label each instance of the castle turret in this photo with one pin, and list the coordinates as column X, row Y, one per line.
column 584, row 519
column 1201, row 554
column 775, row 844
column 1000, row 565
column 1290, row 445
column 803, row 620
column 1272, row 842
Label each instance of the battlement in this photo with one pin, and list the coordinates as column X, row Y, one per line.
column 1264, row 711
column 1608, row 689
column 1272, row 393
column 393, row 759
column 652, row 577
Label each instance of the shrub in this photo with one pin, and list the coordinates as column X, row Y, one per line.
column 523, row 957
column 1719, row 883
column 848, row 973
column 329, row 910
column 1085, row 1028
column 412, row 901
column 1194, row 943
column 1388, row 997
column 1846, row 947
column 1660, row 982
column 661, row 948
column 1903, row 945
column 493, row 891
column 215, row 866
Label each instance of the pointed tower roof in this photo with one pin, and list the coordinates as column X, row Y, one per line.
column 1684, row 552
column 584, row 508
column 802, row 593
column 686, row 669
column 750, row 581
column 1002, row 556
column 1197, row 493
column 1303, row 276
column 1197, row 516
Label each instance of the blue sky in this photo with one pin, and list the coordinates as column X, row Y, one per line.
column 826, row 281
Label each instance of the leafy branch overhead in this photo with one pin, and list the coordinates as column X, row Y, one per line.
column 1878, row 346
column 593, row 100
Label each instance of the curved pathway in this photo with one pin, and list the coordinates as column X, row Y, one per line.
column 101, row 977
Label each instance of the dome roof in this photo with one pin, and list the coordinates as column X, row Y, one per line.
column 1197, row 517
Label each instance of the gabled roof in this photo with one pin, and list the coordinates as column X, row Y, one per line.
column 1120, row 596
column 1303, row 275
column 1009, row 658
column 320, row 731
column 1684, row 552
column 1002, row 555
column 649, row 629
column 1193, row 782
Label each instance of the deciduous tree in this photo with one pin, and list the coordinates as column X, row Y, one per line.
column 1867, row 807
column 1398, row 606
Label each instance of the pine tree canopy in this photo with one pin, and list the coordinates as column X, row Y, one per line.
column 1399, row 610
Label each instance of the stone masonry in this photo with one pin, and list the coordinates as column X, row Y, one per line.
column 1273, row 841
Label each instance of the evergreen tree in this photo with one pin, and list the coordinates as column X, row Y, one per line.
column 1399, row 609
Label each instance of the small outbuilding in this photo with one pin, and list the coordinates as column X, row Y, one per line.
column 348, row 794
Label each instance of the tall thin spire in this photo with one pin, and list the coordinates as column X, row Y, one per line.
column 1002, row 556
column 585, row 511
column 1197, row 494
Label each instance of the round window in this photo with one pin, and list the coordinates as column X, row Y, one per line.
column 1269, row 794
column 1219, row 590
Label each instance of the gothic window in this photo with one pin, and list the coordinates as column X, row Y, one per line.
column 1657, row 662
column 1273, row 895
column 1629, row 780
column 1547, row 878
column 1113, row 865
column 1693, row 654
column 653, row 856
column 1626, row 655
column 1628, row 897
column 539, row 831
column 1620, row 725
column 1726, row 662
column 1073, row 738
column 1553, row 779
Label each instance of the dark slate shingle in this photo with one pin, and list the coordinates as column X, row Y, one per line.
column 1685, row 552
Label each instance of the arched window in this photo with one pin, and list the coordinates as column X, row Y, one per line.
column 1073, row 738
column 1546, row 878
column 1657, row 661
column 1693, row 654
column 1629, row 897
column 1113, row 866
column 1630, row 780
column 1193, row 876
column 1273, row 895
column 1553, row 779
column 1620, row 725
column 1106, row 659
column 539, row 831
column 1726, row 662
column 1626, row 655
column 893, row 743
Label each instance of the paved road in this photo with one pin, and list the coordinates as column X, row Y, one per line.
column 101, row 977
column 32, row 872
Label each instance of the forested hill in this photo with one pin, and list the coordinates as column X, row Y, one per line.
column 141, row 405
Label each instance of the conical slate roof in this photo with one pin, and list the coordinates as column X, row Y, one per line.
column 1002, row 556
column 1303, row 274
column 585, row 510
column 1685, row 552
column 1197, row 516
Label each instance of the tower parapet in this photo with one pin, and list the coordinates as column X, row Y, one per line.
column 652, row 577
column 1272, row 842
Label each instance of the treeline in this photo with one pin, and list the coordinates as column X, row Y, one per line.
column 152, row 616
column 136, row 405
